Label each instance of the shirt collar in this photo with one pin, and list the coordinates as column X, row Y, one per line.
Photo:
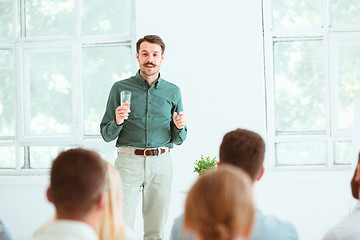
column 141, row 80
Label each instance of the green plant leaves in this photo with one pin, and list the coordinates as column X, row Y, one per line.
column 204, row 164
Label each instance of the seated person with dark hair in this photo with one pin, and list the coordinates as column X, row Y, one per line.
column 348, row 228
column 77, row 189
column 246, row 150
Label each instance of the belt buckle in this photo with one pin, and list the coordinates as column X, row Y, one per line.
column 145, row 152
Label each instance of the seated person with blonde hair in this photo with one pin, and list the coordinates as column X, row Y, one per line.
column 220, row 205
column 111, row 226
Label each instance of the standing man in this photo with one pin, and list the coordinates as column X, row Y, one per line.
column 145, row 134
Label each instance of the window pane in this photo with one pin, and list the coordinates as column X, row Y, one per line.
column 299, row 13
column 102, row 66
column 301, row 153
column 7, row 94
column 343, row 152
column 349, row 83
column 5, row 19
column 50, row 92
column 50, row 17
column 42, row 156
column 7, row 157
column 299, row 86
column 106, row 17
column 107, row 150
column 346, row 13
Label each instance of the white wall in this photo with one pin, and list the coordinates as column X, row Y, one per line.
column 214, row 53
column 23, row 204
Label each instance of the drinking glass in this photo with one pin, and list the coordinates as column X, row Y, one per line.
column 125, row 98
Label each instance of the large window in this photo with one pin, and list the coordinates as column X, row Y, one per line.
column 58, row 60
column 312, row 65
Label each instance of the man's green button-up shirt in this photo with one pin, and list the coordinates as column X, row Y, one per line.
column 150, row 123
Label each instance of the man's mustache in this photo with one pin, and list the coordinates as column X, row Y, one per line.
column 150, row 64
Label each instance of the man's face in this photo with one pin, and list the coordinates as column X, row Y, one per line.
column 149, row 58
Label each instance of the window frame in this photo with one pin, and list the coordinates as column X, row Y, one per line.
column 328, row 34
column 23, row 86
column 19, row 43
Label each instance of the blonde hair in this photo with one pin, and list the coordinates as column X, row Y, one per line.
column 220, row 205
column 111, row 225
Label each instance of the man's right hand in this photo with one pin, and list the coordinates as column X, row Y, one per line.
column 121, row 113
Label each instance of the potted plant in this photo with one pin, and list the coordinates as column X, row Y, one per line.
column 204, row 164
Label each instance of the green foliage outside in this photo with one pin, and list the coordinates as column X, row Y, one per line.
column 50, row 76
column 204, row 164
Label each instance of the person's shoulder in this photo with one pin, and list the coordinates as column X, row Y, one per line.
column 330, row 235
column 123, row 83
column 129, row 234
column 271, row 227
column 346, row 229
column 5, row 233
column 169, row 84
column 177, row 225
column 274, row 221
column 66, row 229
column 179, row 218
column 177, row 232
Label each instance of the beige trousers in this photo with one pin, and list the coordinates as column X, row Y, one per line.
column 150, row 177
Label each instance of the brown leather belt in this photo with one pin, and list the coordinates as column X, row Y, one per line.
column 149, row 152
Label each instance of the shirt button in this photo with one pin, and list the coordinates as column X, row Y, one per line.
column 148, row 144
column 148, row 116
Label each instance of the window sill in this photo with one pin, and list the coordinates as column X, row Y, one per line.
column 36, row 174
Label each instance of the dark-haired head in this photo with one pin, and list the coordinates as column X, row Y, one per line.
column 77, row 180
column 244, row 149
column 151, row 39
column 355, row 184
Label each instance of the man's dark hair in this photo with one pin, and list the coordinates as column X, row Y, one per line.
column 244, row 149
column 354, row 184
column 77, row 179
column 151, row 39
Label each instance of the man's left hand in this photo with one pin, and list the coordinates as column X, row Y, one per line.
column 179, row 120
